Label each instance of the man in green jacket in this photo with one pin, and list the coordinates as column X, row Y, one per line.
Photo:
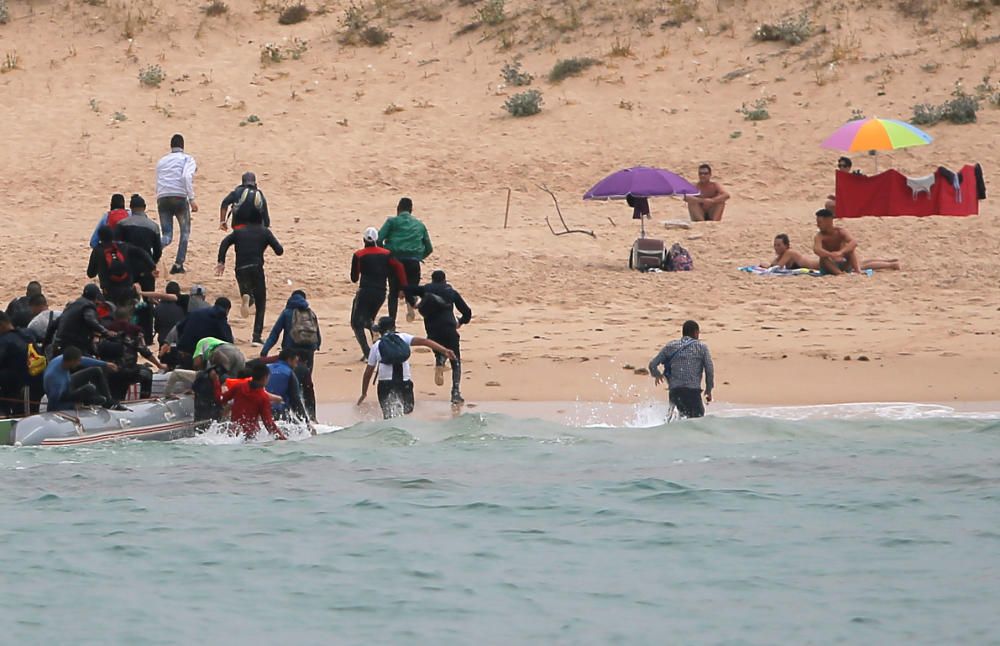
column 406, row 237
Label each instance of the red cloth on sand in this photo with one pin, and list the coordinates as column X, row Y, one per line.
column 888, row 194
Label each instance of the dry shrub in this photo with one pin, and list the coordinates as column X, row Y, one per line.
column 293, row 14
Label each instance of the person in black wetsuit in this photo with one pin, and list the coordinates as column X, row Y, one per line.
column 79, row 323
column 373, row 266
column 140, row 231
column 19, row 309
column 251, row 241
column 437, row 305
column 246, row 203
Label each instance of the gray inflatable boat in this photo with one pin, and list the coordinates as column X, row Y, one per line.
column 152, row 419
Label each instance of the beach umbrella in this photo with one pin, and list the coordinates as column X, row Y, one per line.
column 874, row 135
column 639, row 183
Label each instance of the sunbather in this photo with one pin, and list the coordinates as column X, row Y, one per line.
column 788, row 258
column 838, row 250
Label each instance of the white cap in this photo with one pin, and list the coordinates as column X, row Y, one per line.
column 371, row 234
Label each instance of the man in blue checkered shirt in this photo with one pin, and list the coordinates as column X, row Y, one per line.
column 684, row 360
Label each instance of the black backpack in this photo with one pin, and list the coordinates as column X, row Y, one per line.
column 393, row 350
column 249, row 207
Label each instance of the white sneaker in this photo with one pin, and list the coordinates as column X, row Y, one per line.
column 439, row 375
column 245, row 306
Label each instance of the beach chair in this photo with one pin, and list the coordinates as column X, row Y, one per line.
column 647, row 254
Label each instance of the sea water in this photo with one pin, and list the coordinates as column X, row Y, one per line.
column 872, row 525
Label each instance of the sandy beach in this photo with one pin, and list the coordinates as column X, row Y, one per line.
column 342, row 132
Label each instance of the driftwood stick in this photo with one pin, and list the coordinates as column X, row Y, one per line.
column 506, row 213
column 612, row 222
column 561, row 218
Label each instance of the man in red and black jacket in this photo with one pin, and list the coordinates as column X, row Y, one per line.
column 372, row 267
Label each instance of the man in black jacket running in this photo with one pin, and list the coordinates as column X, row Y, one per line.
column 437, row 305
column 251, row 241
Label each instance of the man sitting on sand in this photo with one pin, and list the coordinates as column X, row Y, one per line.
column 838, row 250
column 710, row 202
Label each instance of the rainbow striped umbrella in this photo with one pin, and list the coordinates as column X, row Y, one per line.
column 876, row 134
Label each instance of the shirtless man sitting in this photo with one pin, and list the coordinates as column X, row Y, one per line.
column 838, row 250
column 787, row 258
column 710, row 202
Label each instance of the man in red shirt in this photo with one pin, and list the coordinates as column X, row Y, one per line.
column 252, row 405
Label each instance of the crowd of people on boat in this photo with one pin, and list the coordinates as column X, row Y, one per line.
column 109, row 341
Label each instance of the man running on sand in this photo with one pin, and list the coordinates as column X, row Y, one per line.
column 711, row 200
column 837, row 249
column 175, row 198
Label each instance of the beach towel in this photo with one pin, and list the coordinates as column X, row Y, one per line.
column 781, row 271
column 892, row 193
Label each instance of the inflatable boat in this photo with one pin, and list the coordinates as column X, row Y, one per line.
column 151, row 419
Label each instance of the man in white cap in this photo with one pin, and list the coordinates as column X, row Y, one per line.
column 371, row 267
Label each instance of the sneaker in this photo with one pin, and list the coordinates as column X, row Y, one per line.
column 439, row 375
column 117, row 406
column 177, row 269
column 456, row 398
column 256, row 343
column 245, row 305
column 411, row 314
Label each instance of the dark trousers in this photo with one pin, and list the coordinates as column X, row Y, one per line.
column 89, row 387
column 120, row 381
column 395, row 398
column 305, row 375
column 449, row 338
column 253, row 283
column 688, row 402
column 144, row 314
column 367, row 303
column 412, row 267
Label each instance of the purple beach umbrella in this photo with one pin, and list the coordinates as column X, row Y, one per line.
column 640, row 181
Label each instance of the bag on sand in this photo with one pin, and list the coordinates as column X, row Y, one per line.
column 679, row 258
column 393, row 350
column 305, row 328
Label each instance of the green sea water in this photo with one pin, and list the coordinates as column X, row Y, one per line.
column 486, row 529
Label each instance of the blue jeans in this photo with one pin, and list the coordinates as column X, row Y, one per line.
column 169, row 208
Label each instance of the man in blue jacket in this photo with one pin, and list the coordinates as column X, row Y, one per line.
column 211, row 321
column 65, row 386
column 285, row 384
column 299, row 330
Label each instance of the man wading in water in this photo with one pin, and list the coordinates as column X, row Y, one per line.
column 684, row 360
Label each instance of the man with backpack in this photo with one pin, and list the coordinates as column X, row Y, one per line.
column 407, row 238
column 247, row 205
column 175, row 197
column 390, row 355
column 114, row 216
column 117, row 264
column 438, row 301
column 298, row 327
column 373, row 266
column 285, row 383
column 684, row 360
column 251, row 242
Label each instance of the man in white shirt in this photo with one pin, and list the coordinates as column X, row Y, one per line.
column 395, row 383
column 175, row 197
